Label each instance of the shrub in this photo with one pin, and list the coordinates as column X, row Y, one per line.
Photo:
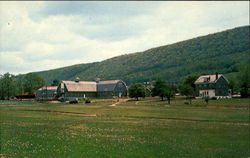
column 206, row 99
column 87, row 101
column 213, row 98
column 73, row 102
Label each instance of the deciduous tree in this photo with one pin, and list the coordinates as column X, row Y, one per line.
column 160, row 88
column 244, row 81
column 32, row 82
column 136, row 90
column 7, row 86
column 190, row 81
column 170, row 92
column 188, row 91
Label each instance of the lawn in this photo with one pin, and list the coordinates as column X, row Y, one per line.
column 145, row 128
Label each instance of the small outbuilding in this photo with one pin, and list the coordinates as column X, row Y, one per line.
column 46, row 93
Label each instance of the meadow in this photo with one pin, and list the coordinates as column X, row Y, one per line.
column 148, row 128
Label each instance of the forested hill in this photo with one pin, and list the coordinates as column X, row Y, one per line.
column 219, row 52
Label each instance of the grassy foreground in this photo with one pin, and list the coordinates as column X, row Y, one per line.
column 148, row 128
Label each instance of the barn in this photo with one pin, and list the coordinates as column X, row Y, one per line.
column 46, row 93
column 70, row 90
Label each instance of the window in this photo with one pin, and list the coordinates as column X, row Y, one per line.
column 120, row 84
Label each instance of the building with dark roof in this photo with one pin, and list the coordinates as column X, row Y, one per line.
column 211, row 86
column 46, row 93
column 70, row 90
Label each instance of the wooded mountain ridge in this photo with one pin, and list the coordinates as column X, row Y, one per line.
column 220, row 52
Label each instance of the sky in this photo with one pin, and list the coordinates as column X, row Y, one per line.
column 43, row 35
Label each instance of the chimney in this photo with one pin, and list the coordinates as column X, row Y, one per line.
column 97, row 80
column 77, row 79
column 216, row 75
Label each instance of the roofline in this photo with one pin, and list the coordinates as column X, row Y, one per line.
column 107, row 80
column 203, row 82
column 94, row 83
column 76, row 82
column 224, row 78
column 213, row 81
column 81, row 91
column 46, row 87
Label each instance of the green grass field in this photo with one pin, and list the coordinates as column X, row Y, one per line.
column 149, row 128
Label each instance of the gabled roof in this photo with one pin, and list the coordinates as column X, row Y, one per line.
column 208, row 79
column 81, row 86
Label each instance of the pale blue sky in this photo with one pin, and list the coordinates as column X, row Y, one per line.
column 39, row 36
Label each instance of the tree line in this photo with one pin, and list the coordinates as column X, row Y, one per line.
column 11, row 85
column 239, row 84
column 163, row 89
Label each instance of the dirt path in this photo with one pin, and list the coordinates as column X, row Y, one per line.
column 142, row 101
column 119, row 102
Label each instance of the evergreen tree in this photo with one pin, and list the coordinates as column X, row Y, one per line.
column 55, row 82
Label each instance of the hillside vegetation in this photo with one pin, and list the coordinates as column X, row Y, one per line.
column 219, row 52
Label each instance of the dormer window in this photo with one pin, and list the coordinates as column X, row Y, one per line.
column 207, row 79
